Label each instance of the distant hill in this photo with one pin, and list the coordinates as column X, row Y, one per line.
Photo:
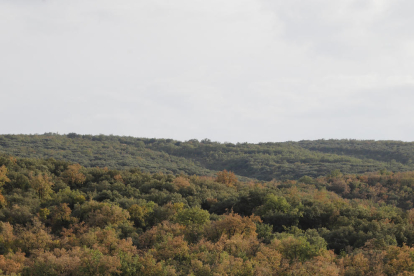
column 263, row 161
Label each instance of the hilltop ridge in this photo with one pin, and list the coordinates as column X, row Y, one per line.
column 262, row 161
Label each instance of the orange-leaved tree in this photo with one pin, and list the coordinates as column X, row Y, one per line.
column 226, row 177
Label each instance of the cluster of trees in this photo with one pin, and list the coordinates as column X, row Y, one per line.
column 387, row 151
column 99, row 151
column 60, row 218
column 263, row 161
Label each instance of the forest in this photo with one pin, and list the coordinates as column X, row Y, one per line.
column 262, row 161
column 107, row 205
column 60, row 218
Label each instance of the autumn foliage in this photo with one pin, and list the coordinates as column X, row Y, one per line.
column 58, row 218
column 227, row 178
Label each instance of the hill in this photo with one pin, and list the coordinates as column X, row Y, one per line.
column 263, row 161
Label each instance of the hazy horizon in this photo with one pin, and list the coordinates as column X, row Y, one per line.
column 235, row 71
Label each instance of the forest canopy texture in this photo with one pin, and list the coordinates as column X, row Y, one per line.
column 107, row 205
column 263, row 161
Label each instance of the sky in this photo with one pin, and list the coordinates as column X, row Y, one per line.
column 231, row 71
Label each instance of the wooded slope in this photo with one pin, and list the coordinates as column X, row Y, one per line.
column 263, row 161
column 59, row 218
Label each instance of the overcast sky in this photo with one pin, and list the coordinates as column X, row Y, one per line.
column 233, row 70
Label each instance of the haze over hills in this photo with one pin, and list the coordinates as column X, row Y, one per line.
column 262, row 161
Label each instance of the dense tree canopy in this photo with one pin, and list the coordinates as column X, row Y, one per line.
column 263, row 161
column 62, row 218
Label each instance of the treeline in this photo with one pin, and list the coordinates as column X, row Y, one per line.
column 60, row 218
column 263, row 161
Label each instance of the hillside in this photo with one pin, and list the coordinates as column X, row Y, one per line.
column 263, row 161
column 59, row 218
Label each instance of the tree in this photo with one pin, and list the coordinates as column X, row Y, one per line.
column 300, row 245
column 275, row 204
column 12, row 263
column 181, row 182
column 233, row 224
column 3, row 176
column 73, row 176
column 140, row 213
column 42, row 184
column 226, row 177
column 194, row 219
column 3, row 180
column 93, row 262
column 101, row 214
column 61, row 216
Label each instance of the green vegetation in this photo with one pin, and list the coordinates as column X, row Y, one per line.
column 263, row 161
column 107, row 205
column 60, row 218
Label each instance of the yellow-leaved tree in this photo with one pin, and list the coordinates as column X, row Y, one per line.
column 42, row 184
